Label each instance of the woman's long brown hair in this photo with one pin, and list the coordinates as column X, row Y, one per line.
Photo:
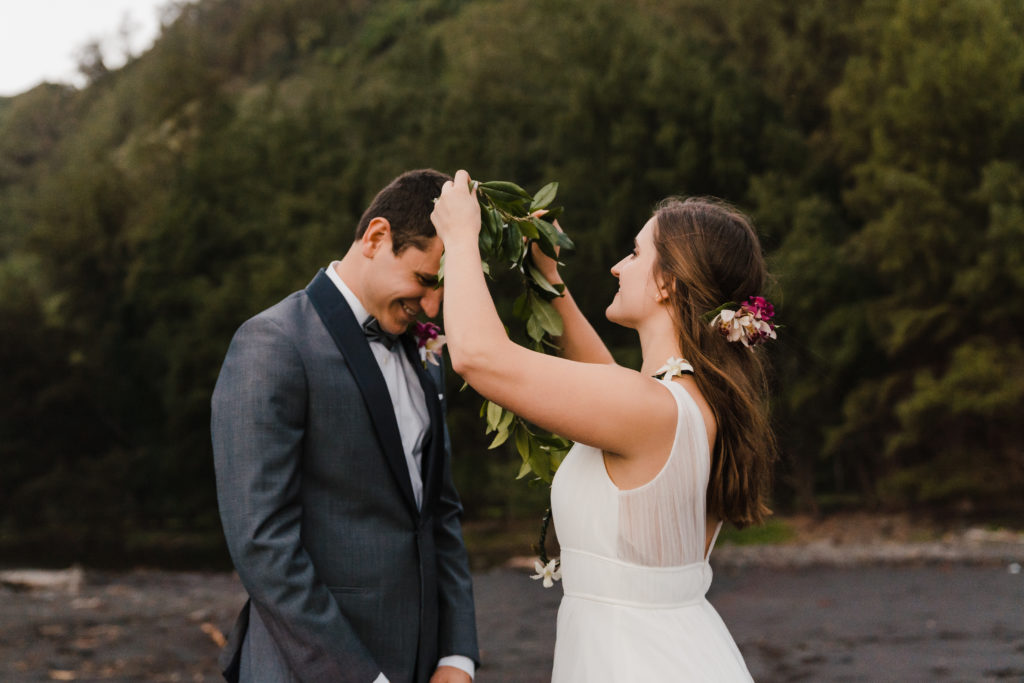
column 708, row 255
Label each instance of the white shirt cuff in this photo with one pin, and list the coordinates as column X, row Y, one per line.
column 459, row 662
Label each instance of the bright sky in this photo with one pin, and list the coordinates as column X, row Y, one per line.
column 40, row 39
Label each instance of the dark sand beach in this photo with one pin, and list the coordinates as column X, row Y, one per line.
column 813, row 612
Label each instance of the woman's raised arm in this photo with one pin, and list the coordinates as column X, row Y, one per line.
column 599, row 403
column 579, row 340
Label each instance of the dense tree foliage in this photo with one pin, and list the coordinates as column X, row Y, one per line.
column 879, row 146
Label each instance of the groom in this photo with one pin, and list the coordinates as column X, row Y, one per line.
column 333, row 474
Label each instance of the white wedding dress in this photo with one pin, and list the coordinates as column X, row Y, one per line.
column 634, row 571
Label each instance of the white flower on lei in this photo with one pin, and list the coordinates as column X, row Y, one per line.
column 549, row 572
column 673, row 367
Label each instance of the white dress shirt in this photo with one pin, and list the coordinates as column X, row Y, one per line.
column 411, row 414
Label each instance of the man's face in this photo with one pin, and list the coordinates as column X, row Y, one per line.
column 397, row 288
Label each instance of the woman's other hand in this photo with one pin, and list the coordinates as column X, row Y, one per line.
column 545, row 264
column 456, row 215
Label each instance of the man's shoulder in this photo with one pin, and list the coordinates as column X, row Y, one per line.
column 290, row 310
column 288, row 319
column 285, row 306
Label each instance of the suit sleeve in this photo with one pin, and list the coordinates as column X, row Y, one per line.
column 258, row 416
column 456, row 612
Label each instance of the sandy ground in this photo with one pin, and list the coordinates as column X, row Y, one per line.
column 921, row 622
column 824, row 610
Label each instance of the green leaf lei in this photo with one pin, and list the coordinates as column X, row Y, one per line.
column 510, row 224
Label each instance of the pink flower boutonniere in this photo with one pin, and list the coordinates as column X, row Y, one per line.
column 430, row 342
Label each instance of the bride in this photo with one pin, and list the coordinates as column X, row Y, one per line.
column 662, row 456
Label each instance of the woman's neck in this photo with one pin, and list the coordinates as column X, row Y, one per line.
column 658, row 343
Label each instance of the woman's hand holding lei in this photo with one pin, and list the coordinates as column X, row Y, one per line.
column 515, row 232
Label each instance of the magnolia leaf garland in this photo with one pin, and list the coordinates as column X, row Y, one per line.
column 511, row 220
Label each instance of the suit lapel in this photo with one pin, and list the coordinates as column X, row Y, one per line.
column 348, row 335
column 433, row 445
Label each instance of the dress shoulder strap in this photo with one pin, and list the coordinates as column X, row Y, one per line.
column 714, row 538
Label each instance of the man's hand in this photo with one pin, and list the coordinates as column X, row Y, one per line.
column 449, row 674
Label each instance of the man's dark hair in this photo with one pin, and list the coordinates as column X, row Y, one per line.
column 407, row 203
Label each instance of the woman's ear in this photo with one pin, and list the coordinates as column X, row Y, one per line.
column 664, row 290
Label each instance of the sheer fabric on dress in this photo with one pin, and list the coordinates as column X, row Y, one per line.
column 662, row 523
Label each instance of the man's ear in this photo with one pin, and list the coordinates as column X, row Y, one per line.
column 376, row 237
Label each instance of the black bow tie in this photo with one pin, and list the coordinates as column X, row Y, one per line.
column 374, row 332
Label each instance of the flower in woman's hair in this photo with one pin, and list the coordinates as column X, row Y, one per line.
column 750, row 322
column 429, row 340
column 550, row 572
column 673, row 367
column 761, row 307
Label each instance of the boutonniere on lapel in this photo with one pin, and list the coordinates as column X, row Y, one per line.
column 430, row 341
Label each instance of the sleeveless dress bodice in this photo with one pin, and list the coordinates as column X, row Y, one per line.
column 634, row 571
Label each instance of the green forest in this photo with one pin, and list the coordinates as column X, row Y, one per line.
column 879, row 146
